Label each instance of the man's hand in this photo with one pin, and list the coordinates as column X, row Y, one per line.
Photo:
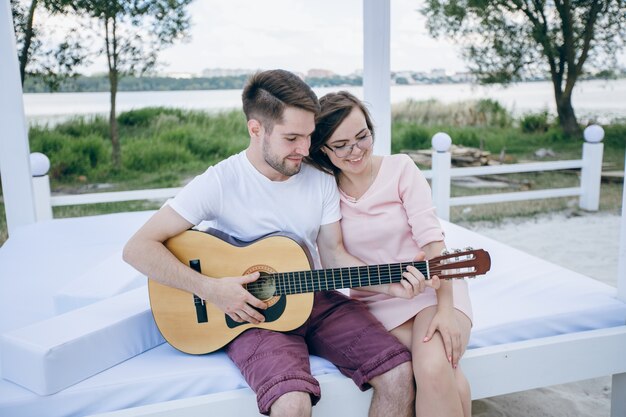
column 229, row 295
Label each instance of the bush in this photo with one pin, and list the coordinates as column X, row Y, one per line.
column 493, row 113
column 146, row 155
column 48, row 142
column 145, row 116
column 78, row 127
column 78, row 156
column 535, row 122
column 615, row 135
column 465, row 137
column 410, row 136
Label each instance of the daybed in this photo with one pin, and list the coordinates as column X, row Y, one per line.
column 77, row 333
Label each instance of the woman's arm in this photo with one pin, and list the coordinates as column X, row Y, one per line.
column 444, row 320
column 333, row 254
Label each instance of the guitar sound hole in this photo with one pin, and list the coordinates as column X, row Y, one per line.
column 263, row 288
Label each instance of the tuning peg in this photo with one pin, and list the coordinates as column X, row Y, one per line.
column 457, row 250
column 468, row 248
column 445, row 252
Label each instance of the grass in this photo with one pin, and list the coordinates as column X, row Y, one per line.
column 159, row 147
column 164, row 147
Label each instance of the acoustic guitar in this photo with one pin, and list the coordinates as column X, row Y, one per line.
column 286, row 284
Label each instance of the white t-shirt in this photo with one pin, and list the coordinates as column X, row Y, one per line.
column 242, row 202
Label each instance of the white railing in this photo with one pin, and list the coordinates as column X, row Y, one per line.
column 590, row 165
column 440, row 175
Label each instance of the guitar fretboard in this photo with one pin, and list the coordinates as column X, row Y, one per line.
column 336, row 278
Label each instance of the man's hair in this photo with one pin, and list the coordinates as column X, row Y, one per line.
column 268, row 93
column 335, row 108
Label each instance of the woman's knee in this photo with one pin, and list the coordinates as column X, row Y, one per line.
column 434, row 370
column 463, row 386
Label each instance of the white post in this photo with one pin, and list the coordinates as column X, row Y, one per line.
column 40, row 164
column 618, row 384
column 441, row 165
column 41, row 190
column 591, row 172
column 618, row 394
column 376, row 70
column 14, row 162
column 621, row 260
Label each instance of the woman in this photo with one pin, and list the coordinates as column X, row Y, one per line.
column 388, row 217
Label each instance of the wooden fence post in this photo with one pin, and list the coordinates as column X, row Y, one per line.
column 39, row 166
column 441, row 165
column 591, row 172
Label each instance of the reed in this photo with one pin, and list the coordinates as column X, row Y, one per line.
column 484, row 112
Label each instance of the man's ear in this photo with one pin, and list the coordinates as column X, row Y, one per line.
column 255, row 129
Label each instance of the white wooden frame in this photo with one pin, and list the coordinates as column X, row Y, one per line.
column 493, row 370
column 17, row 187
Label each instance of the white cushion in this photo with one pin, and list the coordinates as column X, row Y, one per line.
column 53, row 354
column 106, row 279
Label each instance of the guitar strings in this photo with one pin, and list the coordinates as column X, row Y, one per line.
column 302, row 279
column 436, row 265
column 289, row 282
column 293, row 282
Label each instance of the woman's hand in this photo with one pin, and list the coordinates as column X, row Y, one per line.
column 413, row 282
column 444, row 321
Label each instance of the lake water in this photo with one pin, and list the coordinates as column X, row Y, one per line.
column 600, row 100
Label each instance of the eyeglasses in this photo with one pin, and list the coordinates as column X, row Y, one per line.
column 363, row 143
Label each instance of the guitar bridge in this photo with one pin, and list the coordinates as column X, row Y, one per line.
column 201, row 313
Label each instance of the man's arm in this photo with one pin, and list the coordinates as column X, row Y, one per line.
column 145, row 252
column 334, row 255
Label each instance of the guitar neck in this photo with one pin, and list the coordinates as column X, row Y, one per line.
column 336, row 278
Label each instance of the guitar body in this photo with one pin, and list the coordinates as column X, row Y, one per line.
column 195, row 327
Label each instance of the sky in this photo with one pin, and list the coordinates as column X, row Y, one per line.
column 299, row 35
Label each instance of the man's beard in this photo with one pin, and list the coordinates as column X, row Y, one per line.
column 279, row 165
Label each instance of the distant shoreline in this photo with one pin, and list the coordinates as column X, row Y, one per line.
column 100, row 83
column 600, row 101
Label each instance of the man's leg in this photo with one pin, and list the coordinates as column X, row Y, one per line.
column 345, row 332
column 276, row 366
column 292, row 404
column 394, row 392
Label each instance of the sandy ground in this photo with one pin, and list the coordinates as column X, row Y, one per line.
column 584, row 242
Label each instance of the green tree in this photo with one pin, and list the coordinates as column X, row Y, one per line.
column 507, row 40
column 133, row 32
column 37, row 55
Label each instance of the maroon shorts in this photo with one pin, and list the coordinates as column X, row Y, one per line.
column 339, row 329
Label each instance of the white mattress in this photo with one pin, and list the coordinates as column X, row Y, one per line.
column 523, row 297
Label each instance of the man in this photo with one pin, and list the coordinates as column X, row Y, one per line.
column 267, row 189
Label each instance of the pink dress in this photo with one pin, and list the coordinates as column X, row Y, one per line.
column 389, row 224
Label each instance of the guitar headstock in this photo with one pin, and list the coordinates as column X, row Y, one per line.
column 465, row 263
